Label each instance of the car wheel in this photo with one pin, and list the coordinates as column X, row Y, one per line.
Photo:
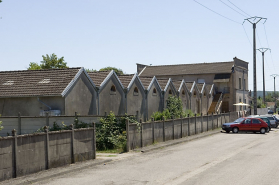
column 227, row 131
column 235, row 130
column 262, row 131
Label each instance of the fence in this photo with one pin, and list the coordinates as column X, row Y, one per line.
column 27, row 124
column 25, row 154
column 160, row 131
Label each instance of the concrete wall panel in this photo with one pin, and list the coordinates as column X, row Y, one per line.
column 6, row 158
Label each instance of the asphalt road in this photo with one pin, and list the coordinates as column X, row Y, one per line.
column 219, row 159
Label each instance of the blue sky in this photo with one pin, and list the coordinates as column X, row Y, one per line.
column 96, row 34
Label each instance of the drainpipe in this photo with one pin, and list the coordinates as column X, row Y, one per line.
column 146, row 102
column 98, row 101
column 126, row 100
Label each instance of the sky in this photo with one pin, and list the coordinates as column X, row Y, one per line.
column 98, row 33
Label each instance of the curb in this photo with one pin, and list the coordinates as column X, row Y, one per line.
column 178, row 141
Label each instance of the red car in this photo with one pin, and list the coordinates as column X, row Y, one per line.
column 246, row 124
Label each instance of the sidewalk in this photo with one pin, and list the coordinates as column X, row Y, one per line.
column 102, row 159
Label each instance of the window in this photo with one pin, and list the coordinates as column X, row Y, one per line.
column 154, row 93
column 136, row 91
column 256, row 121
column 8, row 83
column 113, row 90
column 204, row 94
column 183, row 92
column 44, row 81
column 247, row 121
column 170, row 92
column 239, row 83
column 195, row 93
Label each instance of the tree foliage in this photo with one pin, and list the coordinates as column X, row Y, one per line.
column 49, row 62
column 116, row 70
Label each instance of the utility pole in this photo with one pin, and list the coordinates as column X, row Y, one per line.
column 263, row 50
column 254, row 21
column 274, row 76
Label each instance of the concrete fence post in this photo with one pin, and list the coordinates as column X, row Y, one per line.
column 47, row 148
column 127, row 135
column 207, row 122
column 172, row 127
column 201, row 123
column 164, row 134
column 221, row 119
column 212, row 120
column 47, row 119
column 153, row 131
column 19, row 124
column 14, row 153
column 72, row 143
column 189, row 133
column 94, row 140
column 141, row 133
column 181, row 126
column 217, row 119
column 195, row 123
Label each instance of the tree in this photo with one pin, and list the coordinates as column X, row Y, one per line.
column 49, row 62
column 117, row 71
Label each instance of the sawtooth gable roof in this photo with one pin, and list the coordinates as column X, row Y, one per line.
column 29, row 83
column 100, row 78
column 128, row 80
column 187, row 69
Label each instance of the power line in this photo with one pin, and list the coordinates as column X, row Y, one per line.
column 240, row 9
column 233, row 9
column 247, row 36
column 269, row 47
column 216, row 12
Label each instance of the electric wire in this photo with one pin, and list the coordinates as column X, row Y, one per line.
column 233, row 9
column 216, row 12
column 239, row 8
column 269, row 47
column 247, row 36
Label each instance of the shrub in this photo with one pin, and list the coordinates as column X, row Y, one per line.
column 174, row 105
column 110, row 134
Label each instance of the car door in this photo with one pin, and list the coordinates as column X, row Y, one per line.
column 245, row 125
column 256, row 125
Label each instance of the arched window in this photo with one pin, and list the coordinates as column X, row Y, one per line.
column 136, row 91
column 183, row 92
column 154, row 93
column 170, row 92
column 113, row 89
column 195, row 93
column 204, row 94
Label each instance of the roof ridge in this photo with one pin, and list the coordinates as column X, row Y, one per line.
column 40, row 70
column 190, row 64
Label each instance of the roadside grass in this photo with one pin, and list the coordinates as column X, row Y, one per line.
column 114, row 151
